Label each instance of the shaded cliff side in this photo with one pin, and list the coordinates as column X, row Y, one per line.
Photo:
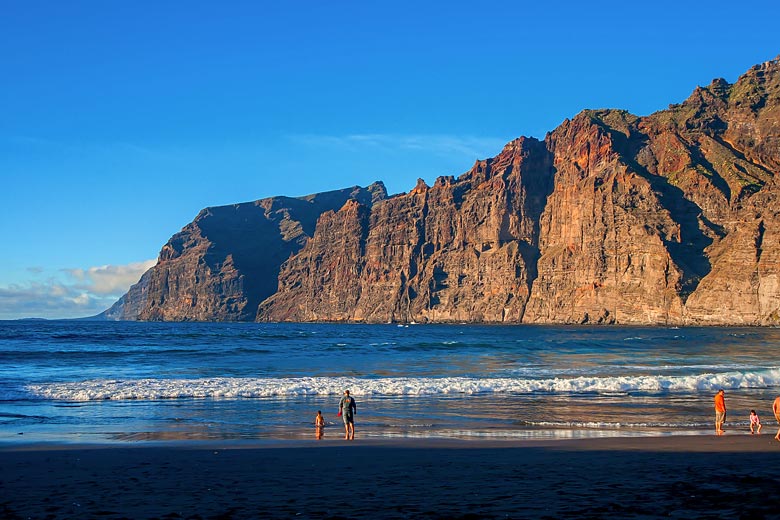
column 224, row 263
column 670, row 218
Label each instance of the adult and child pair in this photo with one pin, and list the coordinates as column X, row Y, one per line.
column 347, row 411
column 755, row 421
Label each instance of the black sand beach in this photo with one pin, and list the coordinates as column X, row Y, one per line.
column 734, row 476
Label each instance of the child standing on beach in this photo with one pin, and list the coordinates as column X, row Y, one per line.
column 319, row 425
column 755, row 423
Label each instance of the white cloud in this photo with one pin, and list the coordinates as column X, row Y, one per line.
column 48, row 300
column 440, row 144
column 76, row 273
column 56, row 290
column 110, row 279
column 80, row 292
column 82, row 299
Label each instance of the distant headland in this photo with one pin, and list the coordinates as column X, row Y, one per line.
column 671, row 218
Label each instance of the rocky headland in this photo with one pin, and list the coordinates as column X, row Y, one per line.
column 671, row 218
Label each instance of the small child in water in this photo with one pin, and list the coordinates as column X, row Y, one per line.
column 755, row 423
column 319, row 424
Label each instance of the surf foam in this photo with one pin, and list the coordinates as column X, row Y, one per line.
column 231, row 388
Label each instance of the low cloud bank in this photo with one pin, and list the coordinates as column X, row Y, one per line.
column 69, row 293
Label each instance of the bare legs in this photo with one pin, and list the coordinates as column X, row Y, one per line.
column 719, row 424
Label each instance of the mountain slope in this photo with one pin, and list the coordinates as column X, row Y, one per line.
column 670, row 218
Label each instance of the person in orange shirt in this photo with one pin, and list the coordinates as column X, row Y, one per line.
column 776, row 411
column 720, row 412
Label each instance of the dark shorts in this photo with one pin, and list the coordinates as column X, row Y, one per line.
column 347, row 418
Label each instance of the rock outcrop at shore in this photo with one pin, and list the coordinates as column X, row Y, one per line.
column 670, row 219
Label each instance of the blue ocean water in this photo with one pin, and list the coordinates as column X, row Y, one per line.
column 80, row 381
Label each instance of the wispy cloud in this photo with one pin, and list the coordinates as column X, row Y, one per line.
column 37, row 144
column 109, row 279
column 70, row 293
column 440, row 144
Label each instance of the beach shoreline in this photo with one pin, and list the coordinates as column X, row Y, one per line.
column 628, row 477
column 732, row 441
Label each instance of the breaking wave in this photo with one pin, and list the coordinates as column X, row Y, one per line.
column 231, row 388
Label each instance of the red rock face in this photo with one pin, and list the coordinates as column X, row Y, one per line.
column 604, row 255
column 460, row 250
column 666, row 219
column 663, row 219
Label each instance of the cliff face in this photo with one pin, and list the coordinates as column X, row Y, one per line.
column 223, row 264
column 130, row 306
column 613, row 218
column 461, row 250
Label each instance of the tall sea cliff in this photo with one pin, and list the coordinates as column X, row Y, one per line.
column 671, row 218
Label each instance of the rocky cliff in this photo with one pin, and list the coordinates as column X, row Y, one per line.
column 670, row 218
column 461, row 250
column 224, row 263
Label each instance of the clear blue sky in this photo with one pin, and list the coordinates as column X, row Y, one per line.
column 120, row 120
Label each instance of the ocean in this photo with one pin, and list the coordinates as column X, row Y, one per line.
column 131, row 382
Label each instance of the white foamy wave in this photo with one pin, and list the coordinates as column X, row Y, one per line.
column 615, row 425
column 224, row 387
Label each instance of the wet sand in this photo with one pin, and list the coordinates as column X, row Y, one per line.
column 734, row 476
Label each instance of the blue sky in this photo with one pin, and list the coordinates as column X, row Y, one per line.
column 121, row 120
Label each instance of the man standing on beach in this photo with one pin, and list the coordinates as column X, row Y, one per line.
column 347, row 411
column 776, row 411
column 720, row 412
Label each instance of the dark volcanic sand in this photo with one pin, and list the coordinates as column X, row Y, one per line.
column 736, row 476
